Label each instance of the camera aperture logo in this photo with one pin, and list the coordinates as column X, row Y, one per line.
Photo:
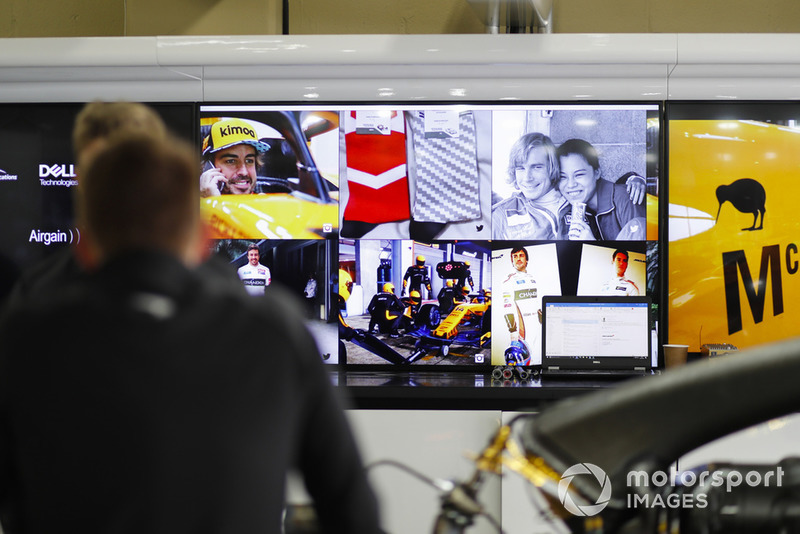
column 584, row 510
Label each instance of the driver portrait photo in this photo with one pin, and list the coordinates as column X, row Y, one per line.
column 269, row 172
column 229, row 159
column 522, row 273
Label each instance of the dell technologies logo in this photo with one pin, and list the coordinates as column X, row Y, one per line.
column 64, row 175
column 57, row 171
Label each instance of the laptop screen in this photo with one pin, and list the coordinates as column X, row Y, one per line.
column 596, row 332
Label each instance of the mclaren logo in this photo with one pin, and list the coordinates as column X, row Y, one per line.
column 747, row 196
column 735, row 263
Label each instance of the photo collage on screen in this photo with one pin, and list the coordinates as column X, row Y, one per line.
column 395, row 225
column 445, row 209
column 270, row 195
column 732, row 237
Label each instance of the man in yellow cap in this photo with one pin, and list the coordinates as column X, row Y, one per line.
column 229, row 156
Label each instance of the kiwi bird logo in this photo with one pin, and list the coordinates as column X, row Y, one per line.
column 747, row 196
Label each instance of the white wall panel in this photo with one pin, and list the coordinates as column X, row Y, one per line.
column 434, row 442
column 704, row 88
column 484, row 49
column 739, row 48
column 83, row 84
column 78, row 51
column 736, row 67
column 475, row 67
column 767, row 443
column 414, row 67
column 432, row 90
column 740, row 81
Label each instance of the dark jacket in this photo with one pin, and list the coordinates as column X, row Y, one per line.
column 150, row 398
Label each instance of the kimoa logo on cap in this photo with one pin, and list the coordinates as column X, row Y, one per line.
column 236, row 130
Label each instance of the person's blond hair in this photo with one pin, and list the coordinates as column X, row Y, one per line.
column 101, row 120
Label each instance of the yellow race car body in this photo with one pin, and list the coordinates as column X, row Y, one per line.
column 271, row 216
column 733, row 232
column 466, row 314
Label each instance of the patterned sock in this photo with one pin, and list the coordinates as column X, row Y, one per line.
column 376, row 173
column 447, row 181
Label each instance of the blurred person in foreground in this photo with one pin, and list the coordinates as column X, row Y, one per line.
column 94, row 124
column 119, row 414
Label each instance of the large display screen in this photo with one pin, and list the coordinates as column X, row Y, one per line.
column 403, row 223
column 37, row 177
column 531, row 199
column 732, row 250
column 269, row 189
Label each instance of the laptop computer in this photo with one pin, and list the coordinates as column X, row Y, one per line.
column 590, row 337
